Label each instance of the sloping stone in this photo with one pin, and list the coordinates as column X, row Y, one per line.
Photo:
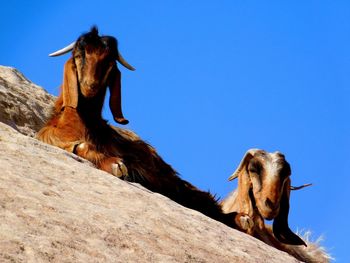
column 56, row 207
column 24, row 105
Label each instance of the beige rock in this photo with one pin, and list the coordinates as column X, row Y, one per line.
column 24, row 105
column 56, row 207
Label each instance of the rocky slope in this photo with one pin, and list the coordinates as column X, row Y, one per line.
column 24, row 105
column 56, row 207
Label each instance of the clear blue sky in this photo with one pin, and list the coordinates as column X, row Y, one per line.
column 215, row 78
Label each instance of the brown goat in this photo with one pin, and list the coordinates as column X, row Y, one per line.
column 263, row 193
column 77, row 126
column 100, row 71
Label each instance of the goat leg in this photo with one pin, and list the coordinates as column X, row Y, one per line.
column 239, row 221
column 112, row 165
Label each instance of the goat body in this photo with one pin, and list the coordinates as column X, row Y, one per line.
column 76, row 125
column 263, row 193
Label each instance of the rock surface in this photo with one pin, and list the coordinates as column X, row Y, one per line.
column 56, row 207
column 24, row 105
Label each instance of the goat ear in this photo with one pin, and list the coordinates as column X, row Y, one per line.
column 115, row 102
column 244, row 162
column 244, row 183
column 281, row 229
column 70, row 85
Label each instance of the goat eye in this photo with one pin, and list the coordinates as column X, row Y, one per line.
column 285, row 171
column 254, row 170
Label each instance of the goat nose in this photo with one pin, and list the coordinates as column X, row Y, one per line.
column 270, row 204
column 93, row 85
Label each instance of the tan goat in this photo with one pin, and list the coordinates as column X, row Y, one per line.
column 263, row 193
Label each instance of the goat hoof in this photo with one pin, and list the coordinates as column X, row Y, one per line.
column 122, row 121
column 119, row 169
column 246, row 222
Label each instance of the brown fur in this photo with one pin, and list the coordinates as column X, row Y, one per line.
column 77, row 126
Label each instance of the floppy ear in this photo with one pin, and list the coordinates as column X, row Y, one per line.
column 244, row 183
column 70, row 85
column 115, row 102
column 280, row 227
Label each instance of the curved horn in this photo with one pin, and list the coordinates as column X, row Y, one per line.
column 63, row 50
column 249, row 155
column 122, row 61
column 299, row 187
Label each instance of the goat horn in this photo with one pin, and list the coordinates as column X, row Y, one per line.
column 299, row 187
column 249, row 154
column 122, row 61
column 233, row 176
column 63, row 50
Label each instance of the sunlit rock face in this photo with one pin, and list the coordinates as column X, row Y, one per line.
column 56, row 207
column 24, row 105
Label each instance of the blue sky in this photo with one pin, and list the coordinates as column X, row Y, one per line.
column 215, row 78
